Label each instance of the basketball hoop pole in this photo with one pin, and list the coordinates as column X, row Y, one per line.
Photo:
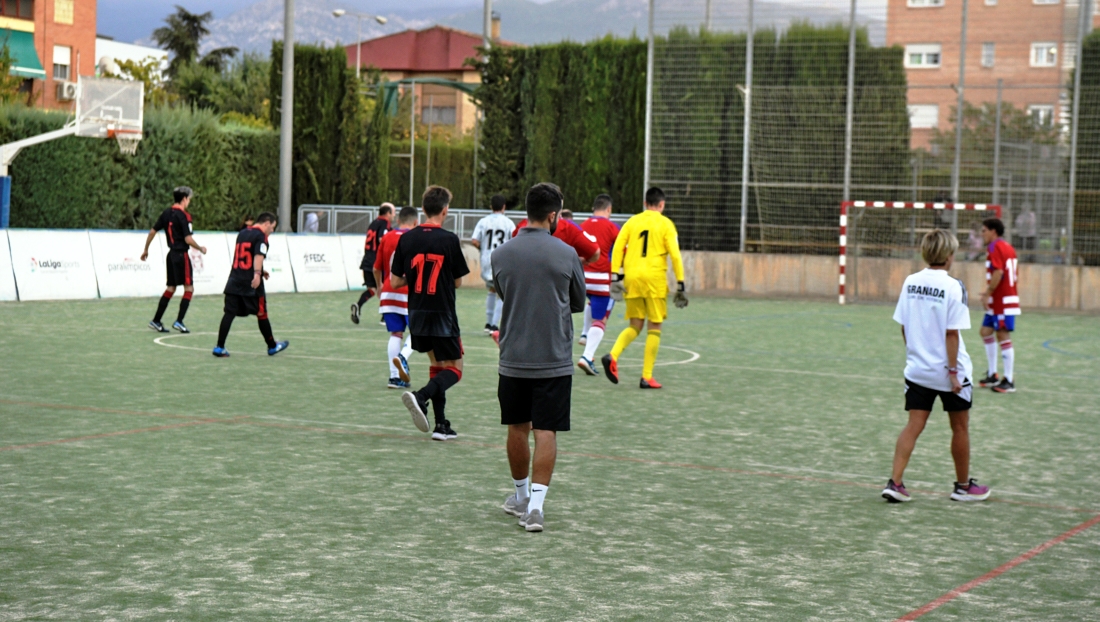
column 8, row 153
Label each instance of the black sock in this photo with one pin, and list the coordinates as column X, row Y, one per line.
column 265, row 330
column 162, row 306
column 364, row 297
column 223, row 330
column 438, row 385
column 186, row 302
column 439, row 404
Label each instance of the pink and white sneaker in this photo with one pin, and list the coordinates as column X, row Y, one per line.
column 895, row 493
column 970, row 491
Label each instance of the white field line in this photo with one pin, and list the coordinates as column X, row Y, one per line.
column 408, row 430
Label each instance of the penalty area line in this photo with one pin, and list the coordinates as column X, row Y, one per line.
column 998, row 571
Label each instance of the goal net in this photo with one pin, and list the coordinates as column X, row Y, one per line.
column 881, row 240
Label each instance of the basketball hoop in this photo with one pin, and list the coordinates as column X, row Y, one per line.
column 127, row 140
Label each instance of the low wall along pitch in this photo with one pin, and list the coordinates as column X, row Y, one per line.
column 41, row 264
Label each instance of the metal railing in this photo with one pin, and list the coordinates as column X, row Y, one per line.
column 356, row 218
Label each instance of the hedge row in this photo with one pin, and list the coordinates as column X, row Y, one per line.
column 87, row 183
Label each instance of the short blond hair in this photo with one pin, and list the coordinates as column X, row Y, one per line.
column 938, row 246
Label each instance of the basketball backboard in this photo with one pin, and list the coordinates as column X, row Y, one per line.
column 109, row 108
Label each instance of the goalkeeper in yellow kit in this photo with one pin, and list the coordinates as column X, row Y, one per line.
column 638, row 275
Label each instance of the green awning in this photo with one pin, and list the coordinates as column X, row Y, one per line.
column 25, row 62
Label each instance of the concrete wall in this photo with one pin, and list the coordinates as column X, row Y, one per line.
column 1075, row 288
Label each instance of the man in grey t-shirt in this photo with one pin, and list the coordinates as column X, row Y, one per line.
column 541, row 281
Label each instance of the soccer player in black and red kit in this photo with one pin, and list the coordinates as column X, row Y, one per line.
column 244, row 291
column 429, row 260
column 176, row 224
column 375, row 232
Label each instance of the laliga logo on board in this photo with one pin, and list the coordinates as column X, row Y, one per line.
column 129, row 264
column 52, row 264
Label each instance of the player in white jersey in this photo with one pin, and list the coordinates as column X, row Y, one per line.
column 490, row 232
column 932, row 311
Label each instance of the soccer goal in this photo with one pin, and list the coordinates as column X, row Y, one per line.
column 883, row 237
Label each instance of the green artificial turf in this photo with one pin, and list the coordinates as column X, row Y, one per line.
column 145, row 480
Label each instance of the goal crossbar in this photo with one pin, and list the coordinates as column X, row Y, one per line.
column 845, row 206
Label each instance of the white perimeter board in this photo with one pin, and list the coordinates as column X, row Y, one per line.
column 52, row 264
column 7, row 277
column 352, row 247
column 277, row 264
column 212, row 269
column 119, row 269
column 318, row 263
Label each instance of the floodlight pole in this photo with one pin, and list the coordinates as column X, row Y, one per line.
column 648, row 103
column 286, row 128
column 746, row 133
column 850, row 104
column 1084, row 21
column 956, row 171
column 488, row 23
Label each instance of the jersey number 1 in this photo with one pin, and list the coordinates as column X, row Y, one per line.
column 645, row 242
column 437, row 265
column 242, row 258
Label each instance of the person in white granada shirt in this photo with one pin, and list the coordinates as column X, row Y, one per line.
column 932, row 311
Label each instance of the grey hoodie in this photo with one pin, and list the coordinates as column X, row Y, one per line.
column 541, row 281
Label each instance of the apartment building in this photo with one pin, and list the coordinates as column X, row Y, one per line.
column 1029, row 45
column 51, row 42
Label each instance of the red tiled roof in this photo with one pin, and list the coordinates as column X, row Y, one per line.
column 433, row 49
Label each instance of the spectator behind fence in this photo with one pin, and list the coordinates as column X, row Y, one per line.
column 1027, row 229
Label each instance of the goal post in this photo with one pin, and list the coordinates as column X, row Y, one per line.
column 887, row 230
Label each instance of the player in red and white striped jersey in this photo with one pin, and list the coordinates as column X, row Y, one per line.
column 393, row 302
column 1002, row 305
column 597, row 280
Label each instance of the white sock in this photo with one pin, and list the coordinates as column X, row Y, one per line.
column 521, row 488
column 1008, row 354
column 497, row 311
column 393, row 348
column 595, row 335
column 407, row 348
column 587, row 318
column 991, row 353
column 490, row 307
column 538, row 495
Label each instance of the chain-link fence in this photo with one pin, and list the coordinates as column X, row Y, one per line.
column 1014, row 146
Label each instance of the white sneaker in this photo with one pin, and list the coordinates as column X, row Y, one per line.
column 515, row 507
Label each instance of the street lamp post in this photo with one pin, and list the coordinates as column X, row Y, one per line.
column 359, row 33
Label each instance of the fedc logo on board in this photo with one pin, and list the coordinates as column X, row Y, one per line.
column 129, row 264
column 54, row 266
column 316, row 262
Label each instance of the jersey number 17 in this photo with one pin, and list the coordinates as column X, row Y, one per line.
column 418, row 262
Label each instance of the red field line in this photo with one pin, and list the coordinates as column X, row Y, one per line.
column 999, row 570
column 88, row 437
column 93, row 409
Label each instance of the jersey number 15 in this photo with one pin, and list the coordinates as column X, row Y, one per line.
column 418, row 262
column 242, row 258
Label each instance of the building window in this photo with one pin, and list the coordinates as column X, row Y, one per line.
column 1042, row 116
column 439, row 115
column 924, row 116
column 63, row 11
column 17, row 8
column 1044, row 54
column 1045, row 1
column 991, row 2
column 922, row 56
column 62, row 61
column 922, row 4
column 989, row 51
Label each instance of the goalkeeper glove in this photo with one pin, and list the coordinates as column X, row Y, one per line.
column 618, row 290
column 680, row 300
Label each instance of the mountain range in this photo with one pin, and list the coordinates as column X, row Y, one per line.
column 523, row 21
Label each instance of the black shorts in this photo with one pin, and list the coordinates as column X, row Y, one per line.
column 918, row 397
column 544, row 402
column 240, row 306
column 367, row 264
column 445, row 348
column 179, row 269
column 368, row 279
